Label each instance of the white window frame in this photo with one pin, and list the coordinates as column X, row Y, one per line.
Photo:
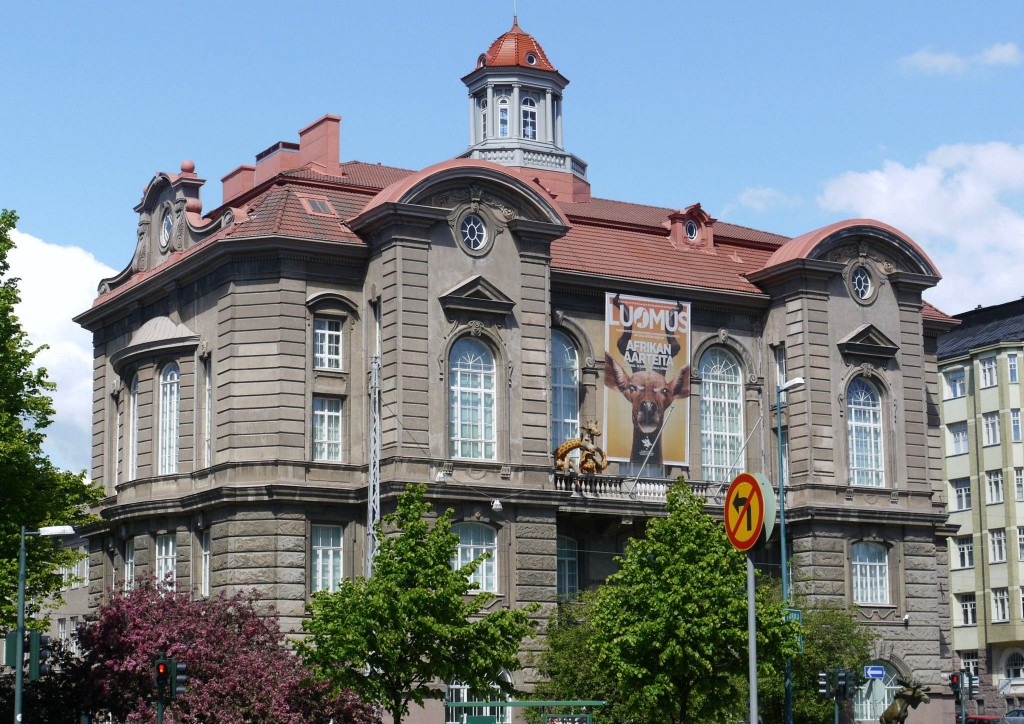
column 166, row 547
column 133, row 428
column 989, row 372
column 328, row 424
column 208, row 412
column 1018, row 482
column 529, row 118
column 567, row 568
column 994, row 485
column 781, row 375
column 875, row 695
column 990, row 425
column 955, row 383
column 1014, row 668
column 476, row 540
column 503, row 117
column 328, row 347
column 129, row 564
column 969, row 661
column 1011, row 364
column 958, row 442
column 721, row 415
column 864, row 436
column 456, row 691
column 327, row 546
column 565, row 389
column 997, row 545
column 961, row 494
column 204, row 562
column 472, row 401
column 869, row 569
column 170, row 405
column 964, row 552
column 1000, row 605
column 968, row 603
column 1015, row 425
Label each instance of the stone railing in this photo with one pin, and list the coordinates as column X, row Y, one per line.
column 630, row 488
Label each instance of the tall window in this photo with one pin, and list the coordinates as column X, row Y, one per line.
column 476, row 540
column 169, row 403
column 876, row 694
column 133, row 428
column 327, row 343
column 870, row 569
column 483, row 118
column 1000, row 604
column 129, row 564
column 456, row 691
column 208, row 413
column 1011, row 362
column 327, row 429
column 955, row 383
column 165, row 559
column 472, row 401
column 990, row 426
column 997, row 545
column 721, row 415
column 117, row 448
column 964, row 552
column 988, row 372
column 503, row 116
column 1015, row 424
column 968, row 609
column 326, row 547
column 529, row 118
column 994, row 479
column 957, row 438
column 864, row 434
column 565, row 389
column 780, row 370
column 1020, row 544
column 204, row 563
column 1018, row 482
column 568, row 567
column 969, row 661
column 961, row 494
column 1014, row 666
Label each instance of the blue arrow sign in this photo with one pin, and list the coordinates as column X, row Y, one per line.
column 874, row 672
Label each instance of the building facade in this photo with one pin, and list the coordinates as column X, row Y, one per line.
column 332, row 329
column 979, row 362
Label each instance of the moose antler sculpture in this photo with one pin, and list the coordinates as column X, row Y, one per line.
column 908, row 697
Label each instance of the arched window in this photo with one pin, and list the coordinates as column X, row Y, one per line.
column 169, row 403
column 1014, row 668
column 503, row 116
column 133, row 428
column 864, row 434
column 721, row 415
column 567, row 567
column 529, row 118
column 475, row 540
column 483, row 118
column 875, row 696
column 565, row 389
column 869, row 568
column 459, row 692
column 471, row 401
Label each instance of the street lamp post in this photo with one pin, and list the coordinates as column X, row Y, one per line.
column 779, row 389
column 19, row 669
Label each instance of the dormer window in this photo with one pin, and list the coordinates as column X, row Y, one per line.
column 318, row 205
column 529, row 118
column 503, row 117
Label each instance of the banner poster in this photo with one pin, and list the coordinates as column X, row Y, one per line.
column 647, row 380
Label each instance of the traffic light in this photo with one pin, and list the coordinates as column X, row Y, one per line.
column 39, row 654
column 179, row 677
column 955, row 683
column 162, row 675
column 823, row 688
column 11, row 649
column 843, row 684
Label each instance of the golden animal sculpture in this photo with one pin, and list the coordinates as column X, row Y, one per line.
column 592, row 458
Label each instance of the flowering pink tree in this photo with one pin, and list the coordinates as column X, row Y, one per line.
column 239, row 665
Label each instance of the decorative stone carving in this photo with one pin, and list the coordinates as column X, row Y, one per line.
column 475, row 196
column 860, row 252
column 476, row 327
column 723, row 335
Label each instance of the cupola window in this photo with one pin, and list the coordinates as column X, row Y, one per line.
column 483, row 118
column 529, row 118
column 503, row 117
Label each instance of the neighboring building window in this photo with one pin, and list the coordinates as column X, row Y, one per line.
column 994, row 479
column 990, row 424
column 326, row 547
column 565, row 389
column 968, row 609
column 1020, row 544
column 165, row 559
column 864, row 434
column 875, row 695
column 208, row 413
column 957, row 438
column 327, row 429
column 1018, row 482
column 85, row 569
column 529, row 118
column 988, row 372
column 1014, row 666
column 721, row 415
column 964, row 552
column 327, row 343
column 133, row 428
column 961, row 494
column 1000, row 604
column 129, row 564
column 955, row 383
column 169, row 404
column 1011, row 361
column 870, row 569
column 969, row 661
column 204, row 563
column 476, row 540
column 472, row 401
column 503, row 117
column 1015, row 425
column 997, row 545
column 62, row 630
column 567, row 567
column 785, row 456
column 459, row 692
column 73, row 624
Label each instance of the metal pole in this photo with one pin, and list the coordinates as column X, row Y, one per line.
column 782, row 546
column 752, row 637
column 19, row 669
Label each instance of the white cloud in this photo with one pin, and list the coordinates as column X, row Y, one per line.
column 927, row 61
column 57, row 283
column 964, row 204
column 763, row 198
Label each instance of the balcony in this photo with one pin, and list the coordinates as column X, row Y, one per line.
column 614, row 487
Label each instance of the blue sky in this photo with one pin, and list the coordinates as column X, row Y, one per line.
column 782, row 116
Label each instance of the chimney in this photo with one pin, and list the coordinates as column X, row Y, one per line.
column 319, row 145
column 238, row 182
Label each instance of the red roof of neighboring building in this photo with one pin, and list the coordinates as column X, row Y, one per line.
column 514, row 49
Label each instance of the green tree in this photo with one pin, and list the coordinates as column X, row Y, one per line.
column 670, row 627
column 394, row 637
column 33, row 493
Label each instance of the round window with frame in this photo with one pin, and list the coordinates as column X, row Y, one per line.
column 862, row 284
column 166, row 228
column 473, row 233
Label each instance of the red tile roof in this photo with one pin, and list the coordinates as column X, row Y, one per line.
column 513, row 49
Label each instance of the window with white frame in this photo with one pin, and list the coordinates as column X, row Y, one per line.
column 957, row 437
column 955, row 383
column 721, row 415
column 968, row 609
column 529, row 118
column 326, row 547
column 62, row 630
column 1014, row 668
column 503, row 116
column 961, row 493
column 780, row 370
column 869, row 567
column 472, row 401
column 1000, row 604
column 1018, row 482
column 483, row 118
column 169, row 405
column 997, row 545
column 204, row 563
column 133, row 428
column 117, row 447
column 1011, row 362
column 477, row 540
column 129, row 564
column 864, row 434
column 994, row 483
column 327, row 343
column 73, row 634
column 327, row 429
column 567, row 567
column 1015, row 424
column 990, row 425
column 565, row 389
column 964, row 552
column 969, row 661
column 166, row 550
column 85, row 568
column 1021, row 609
column 208, row 412
column 875, row 695
column 457, row 692
column 988, row 372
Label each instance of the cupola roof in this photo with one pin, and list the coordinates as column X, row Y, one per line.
column 515, row 48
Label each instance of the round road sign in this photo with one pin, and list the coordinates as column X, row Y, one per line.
column 744, row 512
